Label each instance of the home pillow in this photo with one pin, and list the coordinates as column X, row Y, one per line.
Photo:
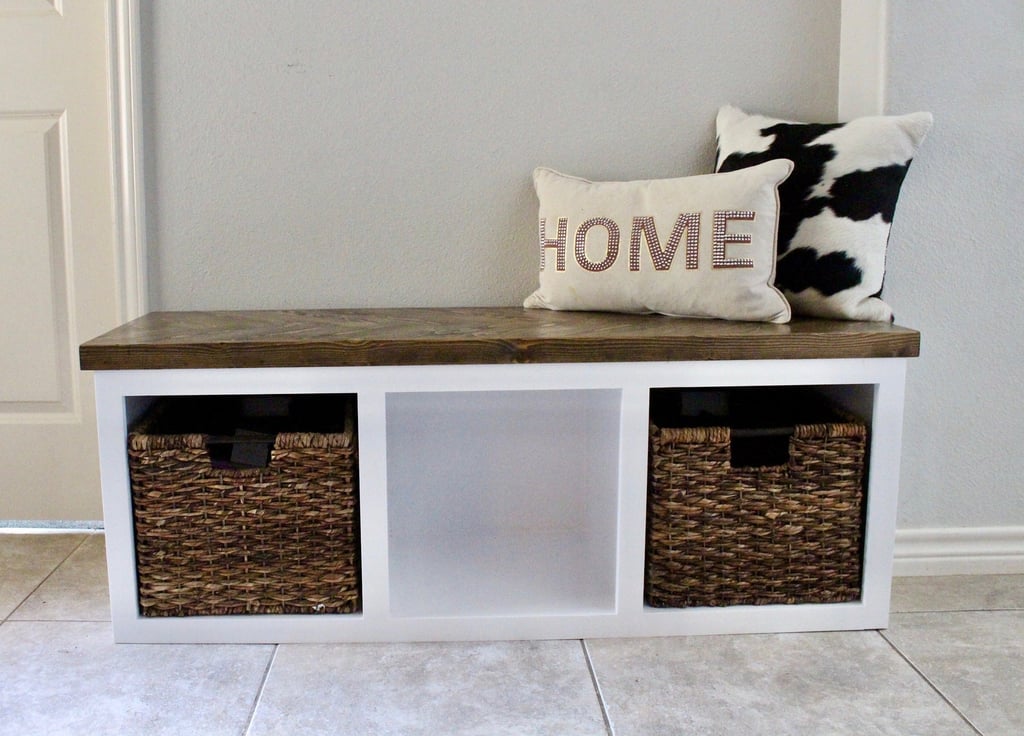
column 701, row 246
column 837, row 206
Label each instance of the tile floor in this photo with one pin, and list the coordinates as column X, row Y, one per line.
column 951, row 662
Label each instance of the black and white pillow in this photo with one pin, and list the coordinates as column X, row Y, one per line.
column 836, row 207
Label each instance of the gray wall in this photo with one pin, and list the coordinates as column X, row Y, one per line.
column 317, row 154
column 378, row 153
column 954, row 267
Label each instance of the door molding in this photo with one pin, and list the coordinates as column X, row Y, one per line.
column 863, row 50
column 128, row 174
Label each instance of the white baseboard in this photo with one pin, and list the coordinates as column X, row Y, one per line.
column 996, row 550
column 36, row 526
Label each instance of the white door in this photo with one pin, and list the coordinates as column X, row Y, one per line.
column 59, row 284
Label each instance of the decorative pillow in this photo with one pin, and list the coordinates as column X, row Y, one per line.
column 701, row 246
column 837, row 206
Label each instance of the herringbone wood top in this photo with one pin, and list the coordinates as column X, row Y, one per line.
column 472, row 335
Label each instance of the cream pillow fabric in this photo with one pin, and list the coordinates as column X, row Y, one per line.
column 699, row 246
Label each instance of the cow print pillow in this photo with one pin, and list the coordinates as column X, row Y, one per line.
column 837, row 206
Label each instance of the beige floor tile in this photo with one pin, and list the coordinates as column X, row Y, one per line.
column 70, row 678
column 806, row 684
column 488, row 689
column 976, row 659
column 26, row 560
column 958, row 593
column 76, row 591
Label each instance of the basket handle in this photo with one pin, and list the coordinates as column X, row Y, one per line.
column 241, row 451
column 753, row 432
column 759, row 447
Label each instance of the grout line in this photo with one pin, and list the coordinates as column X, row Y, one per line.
column 931, row 684
column 959, row 610
column 32, row 592
column 56, row 620
column 259, row 693
column 597, row 688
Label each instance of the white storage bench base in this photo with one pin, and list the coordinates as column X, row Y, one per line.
column 502, row 458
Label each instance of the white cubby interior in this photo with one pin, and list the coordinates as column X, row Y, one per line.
column 502, row 502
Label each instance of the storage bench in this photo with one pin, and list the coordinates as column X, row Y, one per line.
column 503, row 460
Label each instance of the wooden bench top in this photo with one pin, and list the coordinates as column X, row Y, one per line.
column 472, row 335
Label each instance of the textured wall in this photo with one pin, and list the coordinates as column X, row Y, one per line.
column 954, row 266
column 378, row 153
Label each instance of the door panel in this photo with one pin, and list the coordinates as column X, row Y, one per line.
column 59, row 279
column 30, row 7
column 35, row 370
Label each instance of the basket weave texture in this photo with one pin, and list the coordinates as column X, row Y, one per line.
column 214, row 541
column 719, row 535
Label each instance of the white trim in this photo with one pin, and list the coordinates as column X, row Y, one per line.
column 126, row 130
column 960, row 551
column 50, row 527
column 863, row 45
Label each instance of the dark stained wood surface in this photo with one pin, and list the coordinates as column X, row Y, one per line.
column 480, row 335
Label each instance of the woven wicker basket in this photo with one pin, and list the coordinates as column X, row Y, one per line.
column 719, row 535
column 277, row 539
